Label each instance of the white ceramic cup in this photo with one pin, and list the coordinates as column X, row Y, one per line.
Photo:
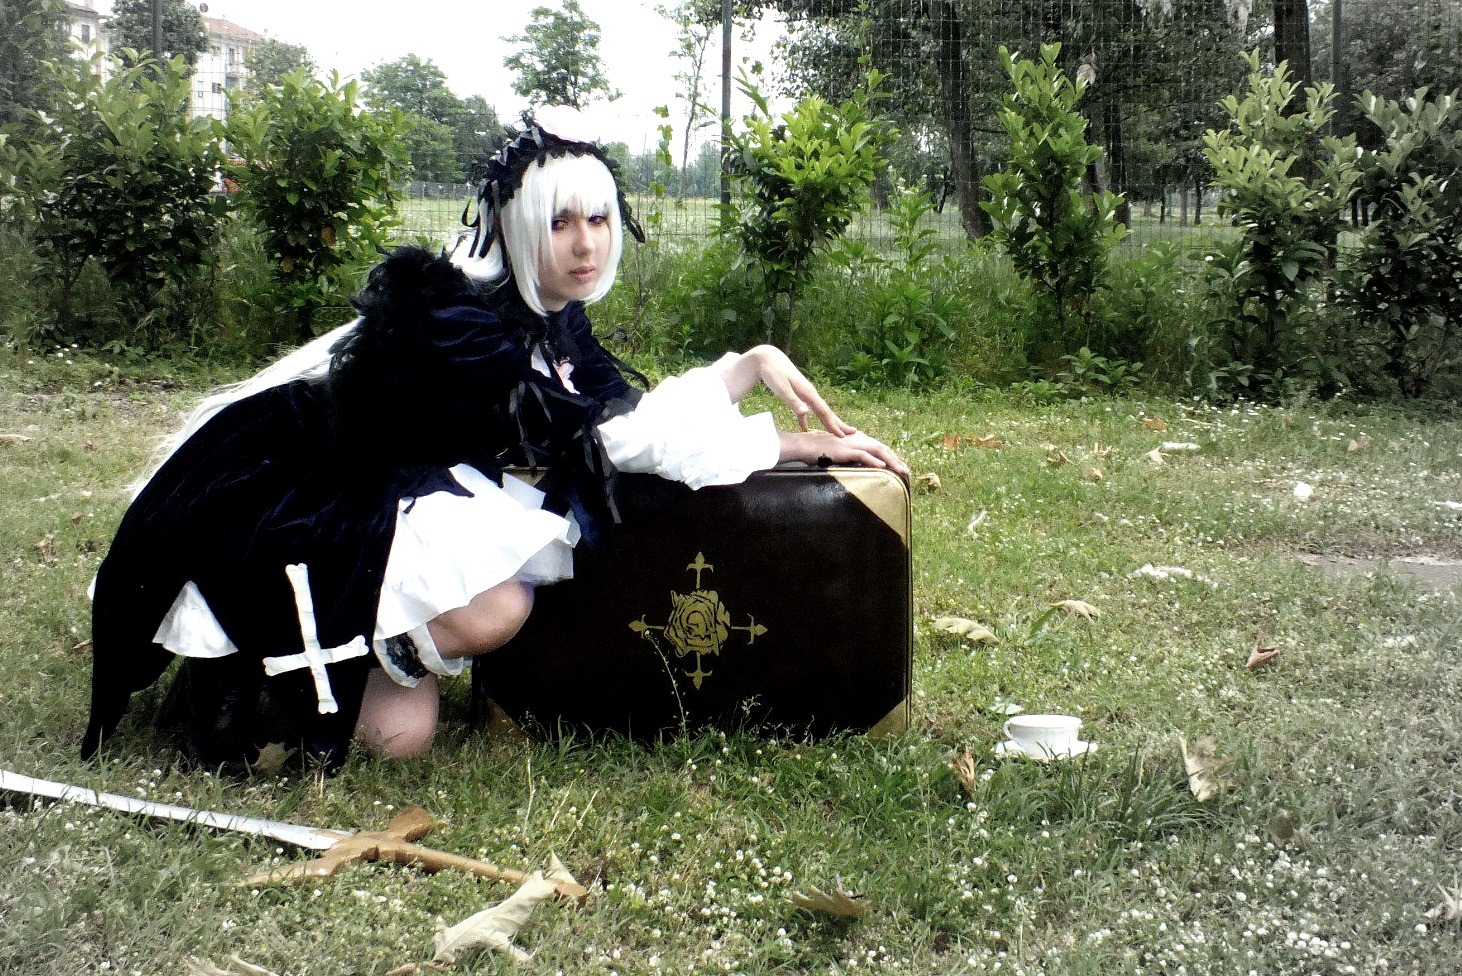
column 1044, row 735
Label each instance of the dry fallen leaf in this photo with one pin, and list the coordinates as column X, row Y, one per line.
column 990, row 441
column 1203, row 765
column 47, row 548
column 1093, row 474
column 929, row 481
column 1156, row 456
column 950, row 442
column 1358, row 444
column 412, row 968
column 964, row 770
column 271, row 758
column 1450, row 910
column 78, row 517
column 839, row 902
column 1262, row 652
column 81, row 646
column 1057, row 459
column 965, row 628
column 1078, row 608
column 1282, row 828
column 206, row 968
column 1152, row 423
column 494, row 927
column 1099, row 452
column 14, row 439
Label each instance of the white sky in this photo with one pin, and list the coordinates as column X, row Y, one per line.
column 463, row 38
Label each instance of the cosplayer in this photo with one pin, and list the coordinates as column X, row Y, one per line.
column 336, row 533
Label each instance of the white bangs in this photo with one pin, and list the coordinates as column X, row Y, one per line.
column 583, row 186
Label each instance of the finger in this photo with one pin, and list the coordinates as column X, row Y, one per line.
column 831, row 422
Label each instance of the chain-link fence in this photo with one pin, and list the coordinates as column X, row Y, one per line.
column 1157, row 72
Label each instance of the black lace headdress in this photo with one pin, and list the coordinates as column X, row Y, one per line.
column 533, row 145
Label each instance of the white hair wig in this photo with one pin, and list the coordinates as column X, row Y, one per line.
column 573, row 184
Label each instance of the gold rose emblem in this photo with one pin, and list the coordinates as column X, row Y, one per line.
column 699, row 623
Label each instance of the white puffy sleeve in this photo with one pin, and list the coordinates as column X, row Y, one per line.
column 687, row 429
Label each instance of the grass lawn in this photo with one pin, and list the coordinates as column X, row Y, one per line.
column 1338, row 827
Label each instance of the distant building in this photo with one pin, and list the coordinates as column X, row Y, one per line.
column 221, row 68
column 88, row 30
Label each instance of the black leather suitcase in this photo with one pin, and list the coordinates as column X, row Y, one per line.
column 779, row 605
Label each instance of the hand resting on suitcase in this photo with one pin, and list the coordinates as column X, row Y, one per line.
column 816, row 447
column 841, row 444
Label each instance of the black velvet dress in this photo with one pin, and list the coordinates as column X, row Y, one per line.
column 312, row 473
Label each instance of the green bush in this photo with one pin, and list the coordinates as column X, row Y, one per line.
column 119, row 179
column 717, row 301
column 1404, row 277
column 902, row 336
column 317, row 177
column 1057, row 234
column 1151, row 312
column 1286, row 187
column 799, row 181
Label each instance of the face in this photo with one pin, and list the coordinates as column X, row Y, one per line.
column 580, row 246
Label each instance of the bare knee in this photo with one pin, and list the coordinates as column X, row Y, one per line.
column 395, row 721
column 487, row 623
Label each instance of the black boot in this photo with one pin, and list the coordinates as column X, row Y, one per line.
column 223, row 699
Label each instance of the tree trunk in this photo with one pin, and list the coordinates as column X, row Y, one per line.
column 1292, row 38
column 1116, row 159
column 953, row 90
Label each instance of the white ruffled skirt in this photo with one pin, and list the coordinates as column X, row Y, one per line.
column 448, row 548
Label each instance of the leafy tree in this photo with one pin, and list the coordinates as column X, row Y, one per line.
column 698, row 23
column 271, row 60
column 418, row 90
column 184, row 33
column 32, row 32
column 1406, row 272
column 940, row 56
column 558, row 61
column 1057, row 235
column 1285, row 185
column 318, row 179
column 1390, row 48
column 1191, row 56
column 800, row 179
column 473, row 137
column 120, row 178
column 413, row 87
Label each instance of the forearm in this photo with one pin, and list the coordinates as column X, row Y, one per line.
column 742, row 374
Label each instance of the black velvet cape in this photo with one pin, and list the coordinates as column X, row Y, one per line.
column 312, row 471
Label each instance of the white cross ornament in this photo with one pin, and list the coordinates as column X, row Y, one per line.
column 314, row 657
